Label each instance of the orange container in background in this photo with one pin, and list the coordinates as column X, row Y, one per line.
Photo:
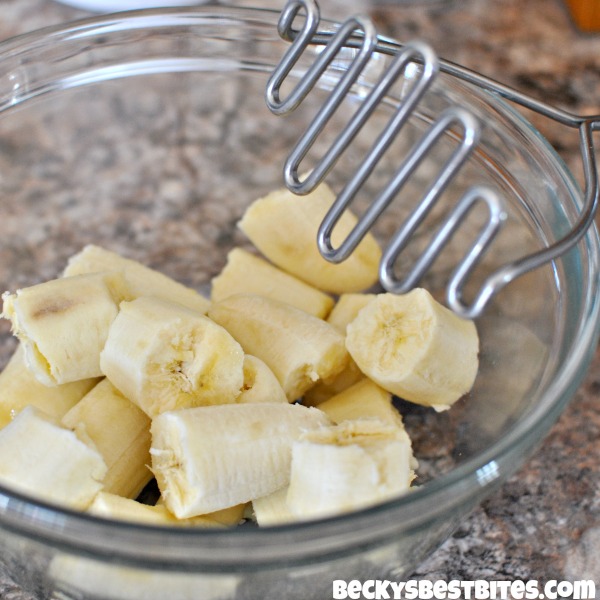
column 586, row 14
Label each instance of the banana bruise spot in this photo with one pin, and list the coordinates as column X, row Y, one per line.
column 57, row 306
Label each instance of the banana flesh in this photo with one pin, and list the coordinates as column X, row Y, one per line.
column 163, row 356
column 142, row 280
column 364, row 399
column 213, row 457
column 19, row 388
column 120, row 431
column 63, row 324
column 415, row 348
column 299, row 348
column 344, row 312
column 284, row 228
column 40, row 458
column 332, row 386
column 112, row 506
column 346, row 309
column 347, row 467
column 273, row 509
column 246, row 273
column 260, row 384
column 233, row 515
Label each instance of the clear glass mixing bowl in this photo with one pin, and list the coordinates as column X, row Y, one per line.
column 147, row 133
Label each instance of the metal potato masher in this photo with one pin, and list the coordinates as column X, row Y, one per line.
column 359, row 33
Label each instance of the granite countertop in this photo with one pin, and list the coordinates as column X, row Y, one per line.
column 544, row 523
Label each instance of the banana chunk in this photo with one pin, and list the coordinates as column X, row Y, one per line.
column 273, row 509
column 120, row 431
column 63, row 324
column 112, row 506
column 260, row 383
column 246, row 273
column 284, row 228
column 213, row 457
column 44, row 460
column 347, row 308
column 142, row 280
column 346, row 467
column 416, row 348
column 19, row 388
column 299, row 348
column 163, row 356
column 344, row 311
column 364, row 399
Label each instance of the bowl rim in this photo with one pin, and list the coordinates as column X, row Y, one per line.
column 135, row 543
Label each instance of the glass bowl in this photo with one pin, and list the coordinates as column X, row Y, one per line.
column 147, row 133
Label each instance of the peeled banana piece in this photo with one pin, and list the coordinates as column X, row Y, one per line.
column 142, row 280
column 415, row 348
column 299, row 348
column 40, row 458
column 163, row 356
column 19, row 388
column 364, row 399
column 63, row 324
column 120, row 431
column 260, row 383
column 246, row 273
column 344, row 311
column 273, row 509
column 212, row 457
column 347, row 467
column 112, row 506
column 284, row 228
column 347, row 308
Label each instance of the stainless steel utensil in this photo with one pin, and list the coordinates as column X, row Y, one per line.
column 359, row 33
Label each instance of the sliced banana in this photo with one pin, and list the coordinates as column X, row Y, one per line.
column 213, row 457
column 364, row 399
column 20, row 388
column 284, row 228
column 142, row 280
column 416, row 348
column 260, row 383
column 346, row 467
column 40, row 458
column 346, row 309
column 63, row 324
column 120, row 431
column 273, row 509
column 163, row 356
column 112, row 506
column 246, row 273
column 299, row 348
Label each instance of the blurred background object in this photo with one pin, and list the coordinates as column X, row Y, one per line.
column 585, row 13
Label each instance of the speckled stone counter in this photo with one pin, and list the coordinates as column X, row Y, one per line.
column 544, row 523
